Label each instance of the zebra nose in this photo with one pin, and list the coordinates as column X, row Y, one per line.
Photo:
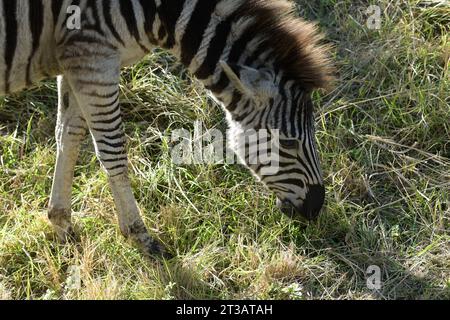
column 313, row 203
column 311, row 206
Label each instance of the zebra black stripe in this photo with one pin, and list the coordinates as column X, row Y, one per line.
column 170, row 11
column 109, row 22
column 215, row 49
column 195, row 29
column 128, row 13
column 149, row 10
column 56, row 10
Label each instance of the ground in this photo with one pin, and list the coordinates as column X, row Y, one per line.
column 383, row 137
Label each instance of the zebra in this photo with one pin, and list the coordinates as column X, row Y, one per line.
column 257, row 59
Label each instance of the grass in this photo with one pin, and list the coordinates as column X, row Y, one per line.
column 384, row 140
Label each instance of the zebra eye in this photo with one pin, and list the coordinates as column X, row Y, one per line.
column 290, row 144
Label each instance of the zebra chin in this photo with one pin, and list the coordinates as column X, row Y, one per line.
column 309, row 209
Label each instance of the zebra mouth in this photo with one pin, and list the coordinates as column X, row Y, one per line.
column 309, row 209
column 287, row 208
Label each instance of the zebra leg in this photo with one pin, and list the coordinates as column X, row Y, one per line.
column 71, row 129
column 97, row 92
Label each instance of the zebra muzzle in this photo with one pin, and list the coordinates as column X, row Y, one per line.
column 309, row 209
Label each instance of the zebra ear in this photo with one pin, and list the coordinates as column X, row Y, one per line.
column 249, row 81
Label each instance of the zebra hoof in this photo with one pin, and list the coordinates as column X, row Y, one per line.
column 158, row 250
column 150, row 247
column 62, row 224
column 138, row 234
column 68, row 236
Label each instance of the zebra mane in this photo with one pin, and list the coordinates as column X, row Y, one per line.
column 297, row 45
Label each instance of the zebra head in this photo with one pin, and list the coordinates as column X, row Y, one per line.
column 272, row 132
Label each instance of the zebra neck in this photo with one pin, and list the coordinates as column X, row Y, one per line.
column 202, row 33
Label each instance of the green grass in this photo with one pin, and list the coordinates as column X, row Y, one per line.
column 384, row 140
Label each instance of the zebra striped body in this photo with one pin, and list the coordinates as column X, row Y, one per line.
column 259, row 63
column 32, row 33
